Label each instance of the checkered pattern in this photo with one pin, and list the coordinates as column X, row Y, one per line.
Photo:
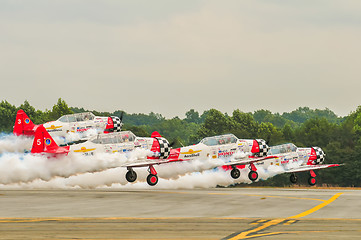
column 164, row 149
column 263, row 147
column 117, row 124
column 320, row 155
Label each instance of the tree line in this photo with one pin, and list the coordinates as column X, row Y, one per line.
column 339, row 137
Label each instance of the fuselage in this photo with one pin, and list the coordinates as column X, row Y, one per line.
column 75, row 123
column 291, row 157
column 222, row 146
column 124, row 141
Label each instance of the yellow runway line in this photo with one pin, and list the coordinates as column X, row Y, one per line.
column 318, row 207
column 253, row 232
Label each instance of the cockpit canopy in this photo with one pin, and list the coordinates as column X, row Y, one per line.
column 113, row 138
column 283, row 148
column 77, row 117
column 219, row 140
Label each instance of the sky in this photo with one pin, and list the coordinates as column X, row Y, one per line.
column 170, row 56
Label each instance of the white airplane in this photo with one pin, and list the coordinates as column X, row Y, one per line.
column 124, row 141
column 76, row 123
column 222, row 146
column 294, row 159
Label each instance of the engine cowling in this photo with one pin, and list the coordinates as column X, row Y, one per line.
column 317, row 156
column 114, row 124
column 259, row 148
column 161, row 147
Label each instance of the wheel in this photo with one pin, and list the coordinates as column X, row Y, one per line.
column 152, row 179
column 293, row 178
column 235, row 173
column 131, row 176
column 312, row 181
column 252, row 175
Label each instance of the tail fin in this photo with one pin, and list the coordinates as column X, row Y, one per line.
column 23, row 125
column 155, row 134
column 43, row 142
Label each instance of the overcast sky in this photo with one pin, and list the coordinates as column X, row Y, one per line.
column 171, row 56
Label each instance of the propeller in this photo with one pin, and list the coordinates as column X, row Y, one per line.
column 172, row 143
column 268, row 139
column 176, row 140
column 121, row 116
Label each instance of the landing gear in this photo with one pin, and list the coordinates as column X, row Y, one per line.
column 293, row 178
column 235, row 173
column 152, row 178
column 131, row 176
column 253, row 175
column 312, row 181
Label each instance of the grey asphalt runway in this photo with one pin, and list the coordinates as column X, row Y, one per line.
column 219, row 213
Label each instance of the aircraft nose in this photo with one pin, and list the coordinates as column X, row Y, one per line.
column 320, row 155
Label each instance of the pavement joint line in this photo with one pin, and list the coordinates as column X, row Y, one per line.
column 314, row 199
column 65, row 219
column 259, row 195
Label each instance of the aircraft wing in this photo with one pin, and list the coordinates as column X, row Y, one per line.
column 311, row 167
column 245, row 161
column 146, row 163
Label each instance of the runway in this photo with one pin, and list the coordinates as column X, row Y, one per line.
column 219, row 213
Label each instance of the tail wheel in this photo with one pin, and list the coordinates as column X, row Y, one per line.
column 131, row 176
column 312, row 181
column 293, row 178
column 152, row 179
column 252, row 175
column 235, row 173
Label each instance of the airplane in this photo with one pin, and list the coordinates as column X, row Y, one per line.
column 294, row 159
column 76, row 123
column 222, row 146
column 161, row 151
column 124, row 141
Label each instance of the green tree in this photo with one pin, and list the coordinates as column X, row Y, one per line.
column 270, row 133
column 7, row 116
column 288, row 133
column 260, row 115
column 192, row 116
column 60, row 109
column 243, row 125
column 215, row 123
column 316, row 132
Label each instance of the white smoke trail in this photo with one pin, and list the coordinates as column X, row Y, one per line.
column 24, row 168
column 170, row 177
column 85, row 172
column 12, row 143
